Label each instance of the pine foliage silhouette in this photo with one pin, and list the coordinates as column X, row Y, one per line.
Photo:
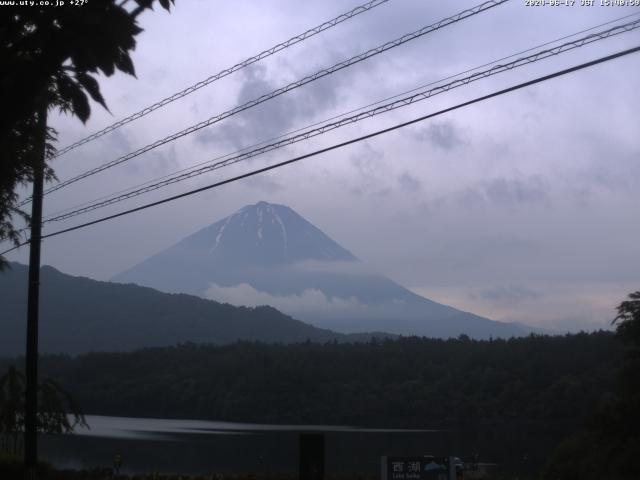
column 609, row 448
column 57, row 411
column 49, row 59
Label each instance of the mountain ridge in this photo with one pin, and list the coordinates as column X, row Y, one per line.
column 268, row 254
column 78, row 315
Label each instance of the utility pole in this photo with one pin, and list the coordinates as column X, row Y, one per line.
column 31, row 395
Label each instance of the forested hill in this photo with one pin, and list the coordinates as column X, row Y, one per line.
column 408, row 382
column 81, row 315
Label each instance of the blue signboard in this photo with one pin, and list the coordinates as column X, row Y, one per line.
column 415, row 468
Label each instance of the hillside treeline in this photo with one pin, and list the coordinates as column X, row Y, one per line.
column 415, row 382
column 80, row 315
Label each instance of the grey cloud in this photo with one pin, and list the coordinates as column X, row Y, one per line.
column 470, row 197
column 606, row 176
column 613, row 170
column 409, row 183
column 444, row 135
column 558, row 308
column 309, row 300
column 265, row 183
column 356, row 191
column 503, row 191
column 609, row 167
column 596, row 182
column 156, row 162
column 274, row 117
column 119, row 141
column 514, row 191
column 341, row 267
column 367, row 190
column 383, row 192
column 509, row 294
column 367, row 160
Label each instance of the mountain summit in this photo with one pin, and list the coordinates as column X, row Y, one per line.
column 264, row 234
column 267, row 254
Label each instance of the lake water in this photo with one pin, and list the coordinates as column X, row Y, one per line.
column 196, row 446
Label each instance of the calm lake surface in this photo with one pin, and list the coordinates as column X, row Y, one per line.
column 195, row 446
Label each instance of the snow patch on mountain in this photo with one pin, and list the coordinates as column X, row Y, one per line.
column 284, row 232
column 219, row 235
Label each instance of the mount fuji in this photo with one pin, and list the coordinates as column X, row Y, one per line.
column 267, row 254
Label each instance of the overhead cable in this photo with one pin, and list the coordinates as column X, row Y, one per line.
column 280, row 91
column 334, row 117
column 399, row 103
column 227, row 71
column 342, row 144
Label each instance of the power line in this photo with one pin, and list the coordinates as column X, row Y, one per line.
column 310, row 78
column 228, row 71
column 280, row 91
column 344, row 114
column 402, row 102
column 343, row 144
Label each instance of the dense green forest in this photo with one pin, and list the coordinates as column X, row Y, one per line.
column 566, row 407
column 406, row 382
column 514, row 401
column 609, row 446
column 569, row 402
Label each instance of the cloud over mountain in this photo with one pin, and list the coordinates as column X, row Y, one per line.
column 267, row 254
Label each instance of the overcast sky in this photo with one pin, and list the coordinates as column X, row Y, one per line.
column 521, row 208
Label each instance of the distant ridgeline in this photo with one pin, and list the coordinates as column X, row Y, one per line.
column 81, row 315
